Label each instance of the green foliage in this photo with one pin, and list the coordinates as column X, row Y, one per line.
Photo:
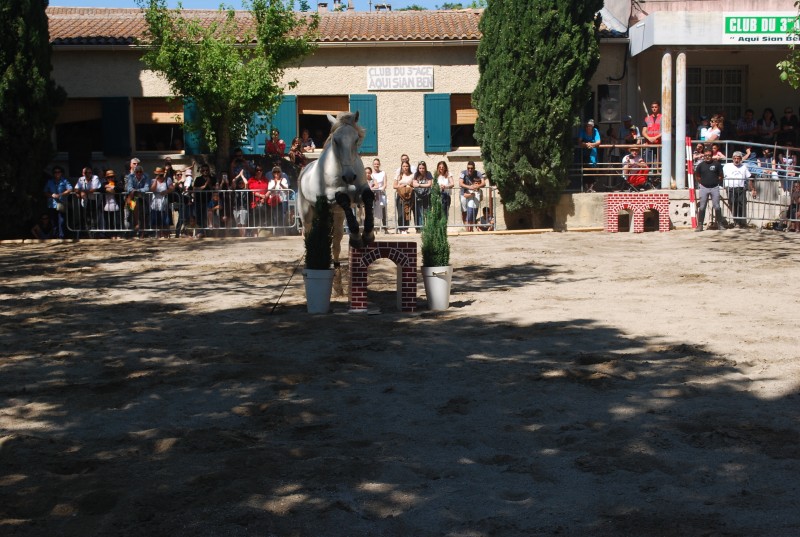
column 790, row 67
column 475, row 4
column 319, row 239
column 304, row 6
column 413, row 7
column 435, row 246
column 28, row 101
column 535, row 61
column 230, row 66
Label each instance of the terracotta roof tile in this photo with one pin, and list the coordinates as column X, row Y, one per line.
column 100, row 26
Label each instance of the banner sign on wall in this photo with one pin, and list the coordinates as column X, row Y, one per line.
column 400, row 78
column 760, row 29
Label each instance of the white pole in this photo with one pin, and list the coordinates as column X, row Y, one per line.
column 680, row 120
column 666, row 120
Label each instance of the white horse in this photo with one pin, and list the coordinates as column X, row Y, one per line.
column 338, row 174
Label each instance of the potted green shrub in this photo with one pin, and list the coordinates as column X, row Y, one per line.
column 318, row 274
column 436, row 270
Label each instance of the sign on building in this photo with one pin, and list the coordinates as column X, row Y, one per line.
column 760, row 29
column 400, row 78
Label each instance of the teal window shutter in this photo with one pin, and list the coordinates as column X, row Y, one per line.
column 192, row 137
column 116, row 126
column 285, row 119
column 437, row 122
column 257, row 136
column 367, row 108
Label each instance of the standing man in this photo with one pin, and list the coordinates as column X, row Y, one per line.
column 137, row 185
column 471, row 182
column 589, row 140
column 652, row 131
column 625, row 130
column 709, row 175
column 652, row 122
column 736, row 175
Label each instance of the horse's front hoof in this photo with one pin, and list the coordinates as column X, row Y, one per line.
column 355, row 242
column 368, row 238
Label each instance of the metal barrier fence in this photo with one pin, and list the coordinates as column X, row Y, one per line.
column 193, row 214
column 775, row 172
column 607, row 173
column 470, row 213
column 244, row 213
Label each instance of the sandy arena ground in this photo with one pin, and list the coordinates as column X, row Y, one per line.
column 581, row 384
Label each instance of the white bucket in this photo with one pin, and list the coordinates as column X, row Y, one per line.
column 318, row 290
column 437, row 286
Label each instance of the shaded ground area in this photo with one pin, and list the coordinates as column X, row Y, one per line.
column 580, row 385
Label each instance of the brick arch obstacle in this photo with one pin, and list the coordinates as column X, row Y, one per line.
column 403, row 254
column 637, row 203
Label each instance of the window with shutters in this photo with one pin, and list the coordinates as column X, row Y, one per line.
column 299, row 112
column 158, row 124
column 80, row 123
column 462, row 120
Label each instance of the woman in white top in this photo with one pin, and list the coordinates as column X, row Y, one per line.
column 403, row 186
column 378, row 185
column 446, row 184
column 716, row 129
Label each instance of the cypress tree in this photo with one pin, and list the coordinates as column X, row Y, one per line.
column 535, row 61
column 435, row 246
column 28, row 101
column 319, row 239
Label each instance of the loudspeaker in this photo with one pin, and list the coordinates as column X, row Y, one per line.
column 609, row 98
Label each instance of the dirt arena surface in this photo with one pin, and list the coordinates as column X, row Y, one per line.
column 581, row 384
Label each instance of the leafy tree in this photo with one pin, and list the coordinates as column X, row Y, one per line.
column 535, row 60
column 28, row 101
column 413, row 7
column 230, row 67
column 475, row 4
column 790, row 67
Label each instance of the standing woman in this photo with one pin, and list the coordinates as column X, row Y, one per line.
column 767, row 127
column 378, row 186
column 258, row 185
column 161, row 187
column 423, row 181
column 403, row 186
column 446, row 184
column 112, row 204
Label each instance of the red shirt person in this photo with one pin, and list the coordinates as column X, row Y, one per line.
column 275, row 146
column 652, row 130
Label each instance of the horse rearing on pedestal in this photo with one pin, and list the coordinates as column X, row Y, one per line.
column 339, row 175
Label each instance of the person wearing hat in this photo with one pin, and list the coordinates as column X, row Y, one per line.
column 160, row 188
column 112, row 189
column 736, row 177
column 589, row 140
column 629, row 129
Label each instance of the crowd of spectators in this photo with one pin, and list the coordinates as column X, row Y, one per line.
column 252, row 193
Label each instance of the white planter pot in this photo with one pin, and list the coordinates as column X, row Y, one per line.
column 437, row 286
column 318, row 289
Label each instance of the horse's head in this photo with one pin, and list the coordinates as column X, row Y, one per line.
column 345, row 138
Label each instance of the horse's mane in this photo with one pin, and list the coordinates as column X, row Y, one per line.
column 346, row 118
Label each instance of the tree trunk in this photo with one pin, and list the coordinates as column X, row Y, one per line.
column 223, row 150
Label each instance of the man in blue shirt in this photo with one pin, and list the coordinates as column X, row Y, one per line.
column 55, row 190
column 589, row 139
